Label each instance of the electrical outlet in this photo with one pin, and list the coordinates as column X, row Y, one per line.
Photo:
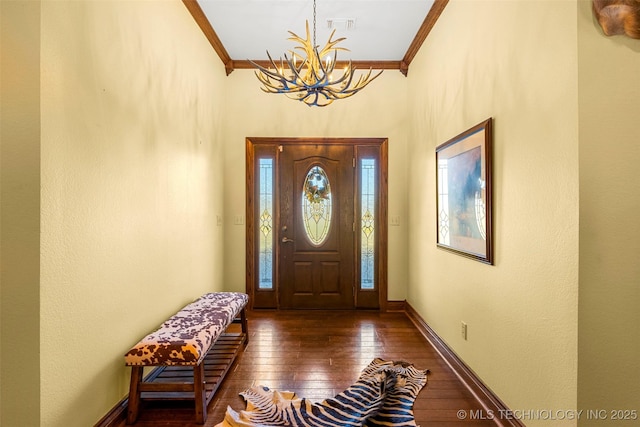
column 463, row 330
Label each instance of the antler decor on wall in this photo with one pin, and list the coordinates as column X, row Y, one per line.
column 618, row 17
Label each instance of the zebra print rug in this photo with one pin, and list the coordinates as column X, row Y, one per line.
column 383, row 395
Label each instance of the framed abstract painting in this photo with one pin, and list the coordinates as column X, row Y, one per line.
column 464, row 193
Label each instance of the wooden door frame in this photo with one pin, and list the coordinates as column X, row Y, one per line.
column 382, row 241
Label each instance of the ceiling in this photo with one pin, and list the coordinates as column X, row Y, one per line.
column 380, row 34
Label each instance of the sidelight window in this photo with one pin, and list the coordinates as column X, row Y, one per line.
column 367, row 223
column 265, row 224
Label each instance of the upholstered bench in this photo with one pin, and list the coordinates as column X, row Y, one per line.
column 191, row 339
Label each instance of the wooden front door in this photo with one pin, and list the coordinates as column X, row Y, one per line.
column 316, row 223
column 316, row 230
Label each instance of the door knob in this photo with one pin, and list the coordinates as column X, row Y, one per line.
column 286, row 240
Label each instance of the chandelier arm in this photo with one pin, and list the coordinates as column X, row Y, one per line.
column 288, row 89
column 322, row 77
column 324, row 80
column 343, row 92
column 304, row 98
column 325, row 102
column 331, row 45
column 317, row 75
column 277, row 74
column 296, row 38
column 266, row 76
column 260, row 68
column 296, row 72
column 368, row 79
column 307, row 45
column 267, row 86
column 362, row 83
column 287, row 84
column 303, row 61
column 313, row 99
column 346, row 80
column 274, row 85
column 264, row 79
column 355, row 88
column 265, row 70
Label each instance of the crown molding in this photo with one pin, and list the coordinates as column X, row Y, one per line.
column 402, row 65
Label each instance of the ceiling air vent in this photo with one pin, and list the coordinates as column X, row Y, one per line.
column 341, row 23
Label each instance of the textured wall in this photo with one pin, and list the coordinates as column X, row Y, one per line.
column 131, row 110
column 609, row 310
column 127, row 141
column 378, row 111
column 516, row 62
column 20, row 214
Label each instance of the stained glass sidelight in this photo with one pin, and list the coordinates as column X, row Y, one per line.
column 368, row 223
column 265, row 220
column 316, row 205
column 443, row 202
column 480, row 209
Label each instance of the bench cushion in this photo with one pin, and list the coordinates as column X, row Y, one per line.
column 186, row 337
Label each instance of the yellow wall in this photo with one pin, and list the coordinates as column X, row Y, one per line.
column 609, row 309
column 142, row 136
column 131, row 106
column 377, row 111
column 20, row 213
column 515, row 62
column 123, row 141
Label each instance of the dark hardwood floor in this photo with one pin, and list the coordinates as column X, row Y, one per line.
column 318, row 354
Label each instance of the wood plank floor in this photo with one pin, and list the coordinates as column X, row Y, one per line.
column 318, row 354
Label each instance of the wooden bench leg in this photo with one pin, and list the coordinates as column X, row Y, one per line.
column 199, row 393
column 245, row 329
column 134, row 394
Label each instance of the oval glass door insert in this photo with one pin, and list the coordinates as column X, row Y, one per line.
column 316, row 205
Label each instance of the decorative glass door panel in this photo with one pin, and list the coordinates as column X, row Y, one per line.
column 316, row 223
column 316, row 205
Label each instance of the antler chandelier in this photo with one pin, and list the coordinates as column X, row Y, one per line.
column 308, row 78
